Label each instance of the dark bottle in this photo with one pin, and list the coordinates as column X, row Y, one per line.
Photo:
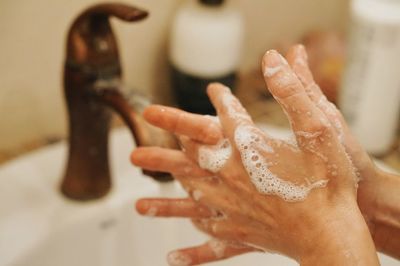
column 205, row 46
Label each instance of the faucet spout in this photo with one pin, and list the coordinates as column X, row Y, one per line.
column 129, row 106
column 91, row 41
column 92, row 74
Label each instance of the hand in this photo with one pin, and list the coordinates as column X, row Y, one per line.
column 318, row 157
column 377, row 195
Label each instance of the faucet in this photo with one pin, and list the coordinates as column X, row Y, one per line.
column 92, row 88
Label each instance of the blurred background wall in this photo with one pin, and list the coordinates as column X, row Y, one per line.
column 32, row 36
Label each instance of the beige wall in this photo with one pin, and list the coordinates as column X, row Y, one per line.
column 32, row 48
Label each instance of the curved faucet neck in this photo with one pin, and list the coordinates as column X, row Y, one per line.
column 91, row 58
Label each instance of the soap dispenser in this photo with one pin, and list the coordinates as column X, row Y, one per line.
column 370, row 93
column 205, row 46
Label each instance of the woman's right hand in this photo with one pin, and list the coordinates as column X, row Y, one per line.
column 325, row 220
column 377, row 195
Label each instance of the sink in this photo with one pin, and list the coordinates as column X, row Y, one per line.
column 39, row 227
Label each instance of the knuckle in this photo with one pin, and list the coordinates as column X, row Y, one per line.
column 320, row 126
column 177, row 122
column 209, row 133
column 206, row 133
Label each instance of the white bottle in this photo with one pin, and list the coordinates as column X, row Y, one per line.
column 205, row 46
column 370, row 95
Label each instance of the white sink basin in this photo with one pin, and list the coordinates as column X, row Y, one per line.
column 39, row 227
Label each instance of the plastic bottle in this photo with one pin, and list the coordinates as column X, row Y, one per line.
column 205, row 46
column 370, row 93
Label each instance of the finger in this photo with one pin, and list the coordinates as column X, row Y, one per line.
column 213, row 250
column 163, row 207
column 198, row 127
column 230, row 111
column 297, row 58
column 167, row 160
column 311, row 127
column 298, row 61
column 209, row 157
column 190, row 147
column 242, row 231
column 239, row 128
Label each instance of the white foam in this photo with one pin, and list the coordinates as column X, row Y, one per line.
column 259, row 248
column 214, row 227
column 300, row 61
column 286, row 80
column 271, row 71
column 283, row 60
column 233, row 107
column 291, row 142
column 357, row 175
column 308, row 141
column 213, row 118
column 152, row 211
column 308, row 135
column 218, row 247
column 333, row 169
column 197, row 194
column 333, row 113
column 214, row 157
column 177, row 258
column 248, row 142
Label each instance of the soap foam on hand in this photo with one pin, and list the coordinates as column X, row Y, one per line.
column 252, row 147
column 218, row 247
column 271, row 71
column 214, row 157
column 177, row 258
column 234, row 109
column 213, row 118
column 333, row 113
column 249, row 143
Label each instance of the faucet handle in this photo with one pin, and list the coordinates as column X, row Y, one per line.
column 91, row 44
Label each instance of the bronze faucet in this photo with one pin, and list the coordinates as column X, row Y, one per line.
column 92, row 86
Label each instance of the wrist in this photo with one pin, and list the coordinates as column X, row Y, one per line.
column 379, row 200
column 367, row 195
column 342, row 239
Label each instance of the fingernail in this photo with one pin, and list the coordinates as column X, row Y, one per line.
column 142, row 206
column 219, row 86
column 303, row 50
column 302, row 56
column 178, row 258
column 273, row 62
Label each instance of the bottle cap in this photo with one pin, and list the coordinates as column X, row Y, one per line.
column 212, row 2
